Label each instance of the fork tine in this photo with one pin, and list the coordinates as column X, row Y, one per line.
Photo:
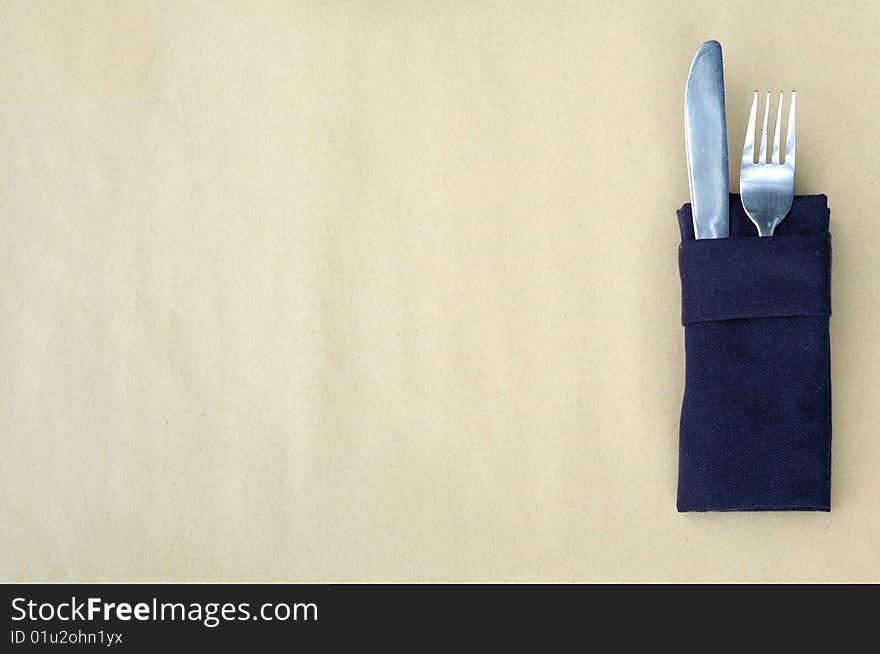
column 749, row 147
column 762, row 158
column 789, row 142
column 776, row 139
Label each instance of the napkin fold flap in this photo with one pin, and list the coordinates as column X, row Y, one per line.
column 725, row 278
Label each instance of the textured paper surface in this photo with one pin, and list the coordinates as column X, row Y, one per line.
column 388, row 291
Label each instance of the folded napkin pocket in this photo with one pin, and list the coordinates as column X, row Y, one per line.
column 755, row 431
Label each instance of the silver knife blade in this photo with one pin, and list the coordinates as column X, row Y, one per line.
column 705, row 132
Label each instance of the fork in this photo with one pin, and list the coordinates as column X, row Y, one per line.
column 767, row 189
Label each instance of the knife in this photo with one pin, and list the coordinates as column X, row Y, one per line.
column 705, row 135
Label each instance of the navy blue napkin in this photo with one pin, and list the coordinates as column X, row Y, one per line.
column 755, row 432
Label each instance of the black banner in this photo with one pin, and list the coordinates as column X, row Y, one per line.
column 157, row 617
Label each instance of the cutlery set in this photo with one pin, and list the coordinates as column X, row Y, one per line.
column 755, row 427
column 766, row 188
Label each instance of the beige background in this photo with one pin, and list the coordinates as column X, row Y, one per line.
column 388, row 291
